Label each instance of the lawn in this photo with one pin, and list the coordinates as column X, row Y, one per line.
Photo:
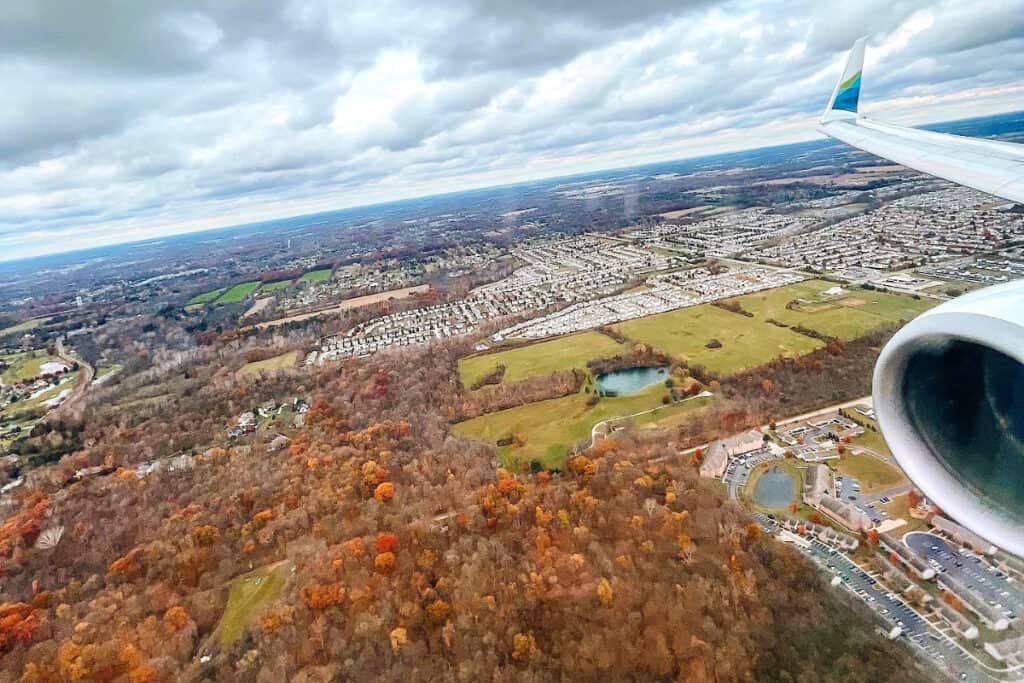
column 542, row 358
column 274, row 286
column 25, row 326
column 552, row 428
column 316, row 275
column 873, row 440
column 237, row 293
column 847, row 316
column 746, row 342
column 285, row 360
column 872, row 473
column 205, row 297
column 249, row 593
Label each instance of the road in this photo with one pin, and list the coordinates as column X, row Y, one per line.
column 85, row 377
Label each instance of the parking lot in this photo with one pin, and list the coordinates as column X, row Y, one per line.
column 929, row 638
column 970, row 569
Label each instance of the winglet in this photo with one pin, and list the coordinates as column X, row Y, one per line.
column 843, row 103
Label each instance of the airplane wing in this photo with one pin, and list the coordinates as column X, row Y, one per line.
column 986, row 165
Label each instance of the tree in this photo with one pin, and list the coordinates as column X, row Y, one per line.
column 384, row 492
column 913, row 498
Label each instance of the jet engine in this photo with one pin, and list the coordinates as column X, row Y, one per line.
column 949, row 396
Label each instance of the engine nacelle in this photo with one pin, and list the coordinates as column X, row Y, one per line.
column 949, row 396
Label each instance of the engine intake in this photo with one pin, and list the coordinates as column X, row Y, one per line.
column 949, row 396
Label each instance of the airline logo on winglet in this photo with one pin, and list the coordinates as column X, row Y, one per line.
column 843, row 103
column 848, row 94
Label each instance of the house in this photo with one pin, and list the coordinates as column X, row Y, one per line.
column 267, row 408
column 716, row 459
column 247, row 419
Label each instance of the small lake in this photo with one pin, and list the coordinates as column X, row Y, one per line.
column 630, row 380
column 774, row 489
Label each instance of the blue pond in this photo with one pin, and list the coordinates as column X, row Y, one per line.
column 774, row 489
column 630, row 380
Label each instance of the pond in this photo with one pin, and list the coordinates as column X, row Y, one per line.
column 630, row 380
column 774, row 489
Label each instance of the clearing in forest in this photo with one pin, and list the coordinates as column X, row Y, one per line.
column 541, row 358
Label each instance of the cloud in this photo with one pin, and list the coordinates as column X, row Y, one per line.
column 139, row 119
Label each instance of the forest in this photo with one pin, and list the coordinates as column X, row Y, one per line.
column 401, row 552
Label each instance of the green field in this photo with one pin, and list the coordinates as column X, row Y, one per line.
column 553, row 427
column 847, row 316
column 22, row 327
column 25, row 365
column 249, row 594
column 205, row 297
column 285, row 360
column 316, row 275
column 746, row 342
column 871, row 472
column 275, row 286
column 237, row 293
column 542, row 358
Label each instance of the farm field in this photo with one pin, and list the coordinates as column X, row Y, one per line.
column 746, row 342
column 542, row 358
column 237, row 293
column 205, row 297
column 275, row 286
column 872, row 473
column 551, row 428
column 23, row 327
column 316, row 275
column 248, row 594
column 847, row 316
column 285, row 360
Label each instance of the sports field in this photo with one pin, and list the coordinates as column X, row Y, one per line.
column 746, row 342
column 846, row 316
column 205, row 297
column 553, row 427
column 542, row 358
column 237, row 293
column 316, row 275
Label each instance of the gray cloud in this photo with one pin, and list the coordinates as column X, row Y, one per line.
column 132, row 116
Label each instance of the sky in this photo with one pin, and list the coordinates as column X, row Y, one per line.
column 129, row 120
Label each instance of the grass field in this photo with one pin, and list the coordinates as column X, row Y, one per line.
column 205, row 297
column 249, row 593
column 746, row 342
column 847, row 316
column 871, row 472
column 873, row 440
column 275, row 286
column 237, row 293
column 25, row 365
column 553, row 427
column 23, row 327
column 285, row 360
column 543, row 358
column 316, row 275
